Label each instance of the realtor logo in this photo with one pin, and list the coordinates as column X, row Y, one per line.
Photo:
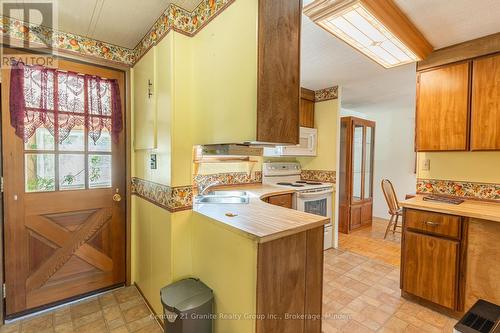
column 28, row 32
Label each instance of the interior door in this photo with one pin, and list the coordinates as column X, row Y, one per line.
column 64, row 219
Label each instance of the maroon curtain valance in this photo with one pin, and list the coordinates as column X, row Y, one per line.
column 59, row 101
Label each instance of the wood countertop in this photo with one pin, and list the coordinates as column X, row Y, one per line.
column 259, row 220
column 470, row 208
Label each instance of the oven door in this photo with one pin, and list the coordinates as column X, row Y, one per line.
column 319, row 203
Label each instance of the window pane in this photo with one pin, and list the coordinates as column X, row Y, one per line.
column 102, row 144
column 368, row 163
column 39, row 172
column 71, row 171
column 99, row 171
column 41, row 140
column 75, row 139
column 357, row 147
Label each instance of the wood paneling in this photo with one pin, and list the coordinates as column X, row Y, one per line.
column 470, row 49
column 314, row 279
column 281, row 283
column 278, row 84
column 443, row 108
column 485, row 121
column 483, row 271
column 283, row 200
column 435, row 223
column 289, row 283
column 307, row 94
column 430, row 268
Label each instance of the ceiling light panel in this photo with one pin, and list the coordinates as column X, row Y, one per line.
column 355, row 25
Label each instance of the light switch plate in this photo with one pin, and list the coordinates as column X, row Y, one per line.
column 152, row 162
column 426, row 165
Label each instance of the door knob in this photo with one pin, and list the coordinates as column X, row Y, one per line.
column 117, row 197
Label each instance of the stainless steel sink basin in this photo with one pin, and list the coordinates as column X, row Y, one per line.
column 223, row 197
column 228, row 193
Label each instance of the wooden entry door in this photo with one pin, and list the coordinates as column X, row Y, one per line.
column 64, row 223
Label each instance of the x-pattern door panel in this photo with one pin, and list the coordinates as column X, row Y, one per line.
column 64, row 230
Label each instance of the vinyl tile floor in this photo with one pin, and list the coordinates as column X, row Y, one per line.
column 361, row 288
column 120, row 311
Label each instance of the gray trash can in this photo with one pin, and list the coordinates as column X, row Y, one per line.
column 188, row 307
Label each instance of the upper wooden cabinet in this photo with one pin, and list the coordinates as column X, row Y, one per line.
column 485, row 129
column 442, row 116
column 306, row 113
column 278, row 86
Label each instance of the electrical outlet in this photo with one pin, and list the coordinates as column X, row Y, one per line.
column 426, row 165
column 152, row 161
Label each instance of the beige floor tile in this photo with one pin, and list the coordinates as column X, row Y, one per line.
column 83, row 309
column 153, row 328
column 126, row 294
column 141, row 323
column 394, row 325
column 96, row 326
column 11, row 328
column 122, row 329
column 67, row 327
column 107, row 299
column 82, row 321
column 42, row 323
column 355, row 327
column 136, row 312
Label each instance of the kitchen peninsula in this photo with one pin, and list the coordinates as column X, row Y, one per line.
column 269, row 260
column 450, row 252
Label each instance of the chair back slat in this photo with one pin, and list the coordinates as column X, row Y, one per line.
column 390, row 196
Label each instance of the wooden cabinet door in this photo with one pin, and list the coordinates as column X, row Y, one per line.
column 278, row 84
column 485, row 124
column 443, row 109
column 283, row 200
column 306, row 115
column 430, row 268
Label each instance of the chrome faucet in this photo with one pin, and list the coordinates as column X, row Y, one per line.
column 203, row 187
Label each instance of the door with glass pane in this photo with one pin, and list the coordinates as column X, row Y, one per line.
column 65, row 197
column 356, row 173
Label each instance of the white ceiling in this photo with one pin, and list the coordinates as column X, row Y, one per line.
column 327, row 61
column 120, row 22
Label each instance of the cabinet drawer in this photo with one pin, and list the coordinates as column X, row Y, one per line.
column 434, row 223
column 283, row 200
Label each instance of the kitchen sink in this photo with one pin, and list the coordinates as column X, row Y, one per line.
column 223, row 197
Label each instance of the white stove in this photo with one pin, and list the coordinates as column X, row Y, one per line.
column 311, row 196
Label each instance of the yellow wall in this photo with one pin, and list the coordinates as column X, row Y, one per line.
column 461, row 166
column 205, row 92
column 226, row 261
column 325, row 120
column 215, row 85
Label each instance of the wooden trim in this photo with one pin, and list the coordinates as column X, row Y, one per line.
column 459, row 52
column 389, row 14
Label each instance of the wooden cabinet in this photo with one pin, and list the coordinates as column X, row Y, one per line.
column 278, row 82
column 485, row 129
column 357, row 139
column 432, row 257
column 283, row 200
column 458, row 106
column 442, row 116
column 306, row 114
column 430, row 268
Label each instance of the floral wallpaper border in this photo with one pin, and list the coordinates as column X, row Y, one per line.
column 173, row 18
column 319, row 175
column 326, row 94
column 469, row 190
column 172, row 199
column 230, row 178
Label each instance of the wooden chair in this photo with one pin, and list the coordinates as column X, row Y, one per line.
column 394, row 209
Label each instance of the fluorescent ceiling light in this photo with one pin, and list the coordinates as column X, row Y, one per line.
column 353, row 22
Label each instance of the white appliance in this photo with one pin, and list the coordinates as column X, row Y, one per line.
column 311, row 196
column 308, row 140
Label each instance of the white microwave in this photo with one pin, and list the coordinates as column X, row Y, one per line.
column 308, row 140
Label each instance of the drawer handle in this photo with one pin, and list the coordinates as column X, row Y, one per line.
column 432, row 224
